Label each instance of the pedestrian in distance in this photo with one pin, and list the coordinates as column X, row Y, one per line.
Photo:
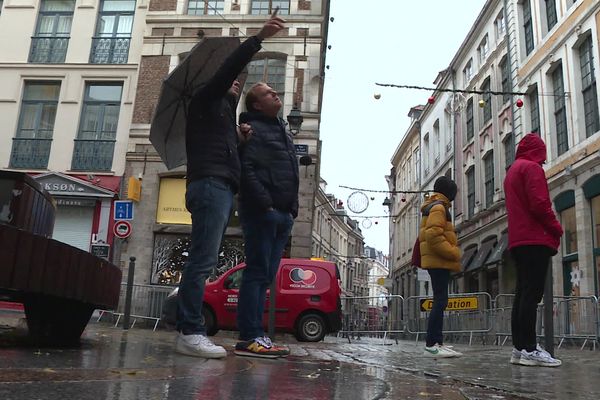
column 268, row 204
column 533, row 238
column 213, row 176
column 440, row 255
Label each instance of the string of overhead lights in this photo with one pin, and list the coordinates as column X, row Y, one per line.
column 388, row 191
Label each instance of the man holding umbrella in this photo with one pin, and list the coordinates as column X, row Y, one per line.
column 213, row 175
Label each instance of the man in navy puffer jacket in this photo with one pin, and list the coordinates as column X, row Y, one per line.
column 268, row 204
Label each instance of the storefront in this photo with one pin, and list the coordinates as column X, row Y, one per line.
column 83, row 207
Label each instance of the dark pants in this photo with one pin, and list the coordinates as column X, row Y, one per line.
column 435, row 325
column 265, row 237
column 209, row 200
column 532, row 264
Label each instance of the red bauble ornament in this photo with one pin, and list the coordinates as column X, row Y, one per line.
column 403, row 199
column 431, row 100
column 376, row 222
column 519, row 103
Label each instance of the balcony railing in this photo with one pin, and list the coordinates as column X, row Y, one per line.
column 48, row 50
column 30, row 153
column 93, row 155
column 110, row 50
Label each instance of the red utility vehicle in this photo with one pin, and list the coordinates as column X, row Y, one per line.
column 307, row 300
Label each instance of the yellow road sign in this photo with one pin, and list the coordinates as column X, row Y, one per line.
column 454, row 304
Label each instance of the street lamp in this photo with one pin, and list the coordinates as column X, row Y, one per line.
column 295, row 120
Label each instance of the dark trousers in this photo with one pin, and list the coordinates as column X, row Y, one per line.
column 265, row 237
column 532, row 263
column 435, row 324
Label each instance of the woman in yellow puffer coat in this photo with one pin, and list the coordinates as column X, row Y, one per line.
column 439, row 256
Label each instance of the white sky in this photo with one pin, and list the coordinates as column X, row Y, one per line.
column 384, row 41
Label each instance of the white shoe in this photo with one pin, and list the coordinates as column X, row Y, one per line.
column 515, row 356
column 538, row 358
column 437, row 351
column 199, row 346
column 451, row 350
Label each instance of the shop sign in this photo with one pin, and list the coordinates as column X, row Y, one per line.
column 171, row 202
column 101, row 250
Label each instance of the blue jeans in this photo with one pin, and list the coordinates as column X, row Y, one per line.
column 435, row 324
column 210, row 201
column 265, row 235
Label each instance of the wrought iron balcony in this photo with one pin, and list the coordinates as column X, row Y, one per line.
column 93, row 155
column 110, row 50
column 30, row 153
column 48, row 50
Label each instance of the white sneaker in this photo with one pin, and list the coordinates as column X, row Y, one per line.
column 451, row 350
column 515, row 356
column 199, row 346
column 437, row 351
column 538, row 358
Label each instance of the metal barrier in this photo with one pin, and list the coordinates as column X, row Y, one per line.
column 467, row 313
column 373, row 317
column 146, row 303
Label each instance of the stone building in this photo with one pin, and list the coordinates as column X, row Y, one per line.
column 68, row 72
column 292, row 63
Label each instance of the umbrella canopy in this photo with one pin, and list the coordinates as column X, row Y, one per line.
column 167, row 132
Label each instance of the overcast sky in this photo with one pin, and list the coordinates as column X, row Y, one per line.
column 384, row 41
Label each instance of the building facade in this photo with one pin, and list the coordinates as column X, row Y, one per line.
column 291, row 62
column 68, row 76
column 541, row 58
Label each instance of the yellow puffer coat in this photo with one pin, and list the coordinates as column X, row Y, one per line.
column 438, row 244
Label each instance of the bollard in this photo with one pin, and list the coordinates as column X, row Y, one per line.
column 549, row 311
column 128, row 293
column 272, row 291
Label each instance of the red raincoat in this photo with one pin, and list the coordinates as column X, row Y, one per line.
column 531, row 220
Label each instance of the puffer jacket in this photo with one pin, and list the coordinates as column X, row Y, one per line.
column 269, row 166
column 531, row 220
column 438, row 243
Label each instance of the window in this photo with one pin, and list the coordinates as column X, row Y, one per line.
column 595, row 204
column 527, row 26
column 94, row 146
column 31, row 145
column 470, row 125
column 569, row 224
column 268, row 6
column 509, row 149
column 49, row 45
column 113, row 32
column 426, row 153
column 417, row 166
column 436, row 143
column 487, row 98
column 268, row 70
column 205, row 7
column 534, row 110
column 560, row 111
column 550, row 13
column 505, row 81
column 1, row 4
column 488, row 166
column 468, row 72
column 470, row 192
column 500, row 25
column 588, row 87
column 483, row 50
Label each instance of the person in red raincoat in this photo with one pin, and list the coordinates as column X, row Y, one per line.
column 533, row 238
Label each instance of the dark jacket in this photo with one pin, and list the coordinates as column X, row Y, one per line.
column 211, row 137
column 531, row 220
column 269, row 166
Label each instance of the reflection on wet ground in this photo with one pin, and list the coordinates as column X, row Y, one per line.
column 139, row 364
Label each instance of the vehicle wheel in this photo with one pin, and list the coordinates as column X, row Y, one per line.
column 169, row 312
column 210, row 321
column 54, row 321
column 311, row 328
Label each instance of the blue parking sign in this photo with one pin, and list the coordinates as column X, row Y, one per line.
column 123, row 210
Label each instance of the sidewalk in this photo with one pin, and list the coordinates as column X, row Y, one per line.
column 139, row 364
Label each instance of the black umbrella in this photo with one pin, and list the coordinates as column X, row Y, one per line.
column 167, row 132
